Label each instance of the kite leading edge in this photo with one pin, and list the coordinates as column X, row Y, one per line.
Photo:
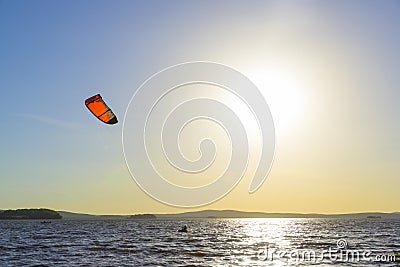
column 98, row 107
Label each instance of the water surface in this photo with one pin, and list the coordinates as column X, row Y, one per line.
column 213, row 242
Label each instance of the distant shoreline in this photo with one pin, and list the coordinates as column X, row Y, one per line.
column 226, row 214
column 30, row 214
column 44, row 214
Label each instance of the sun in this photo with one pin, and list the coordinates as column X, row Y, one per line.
column 284, row 91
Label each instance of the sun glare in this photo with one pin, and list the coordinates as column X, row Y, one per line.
column 285, row 95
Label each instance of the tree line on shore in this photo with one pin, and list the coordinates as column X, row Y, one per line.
column 29, row 214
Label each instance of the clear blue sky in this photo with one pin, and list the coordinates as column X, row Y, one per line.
column 54, row 54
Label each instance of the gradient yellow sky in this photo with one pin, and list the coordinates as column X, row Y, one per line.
column 328, row 70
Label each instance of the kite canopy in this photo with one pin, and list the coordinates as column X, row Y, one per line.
column 99, row 109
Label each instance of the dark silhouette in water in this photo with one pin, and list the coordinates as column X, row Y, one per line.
column 184, row 229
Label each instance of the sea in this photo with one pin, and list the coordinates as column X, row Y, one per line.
column 210, row 242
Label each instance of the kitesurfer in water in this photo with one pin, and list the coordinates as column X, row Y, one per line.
column 183, row 229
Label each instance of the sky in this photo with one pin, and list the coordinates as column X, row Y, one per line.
column 329, row 71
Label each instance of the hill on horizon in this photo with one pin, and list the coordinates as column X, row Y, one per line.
column 229, row 214
column 29, row 214
column 246, row 214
